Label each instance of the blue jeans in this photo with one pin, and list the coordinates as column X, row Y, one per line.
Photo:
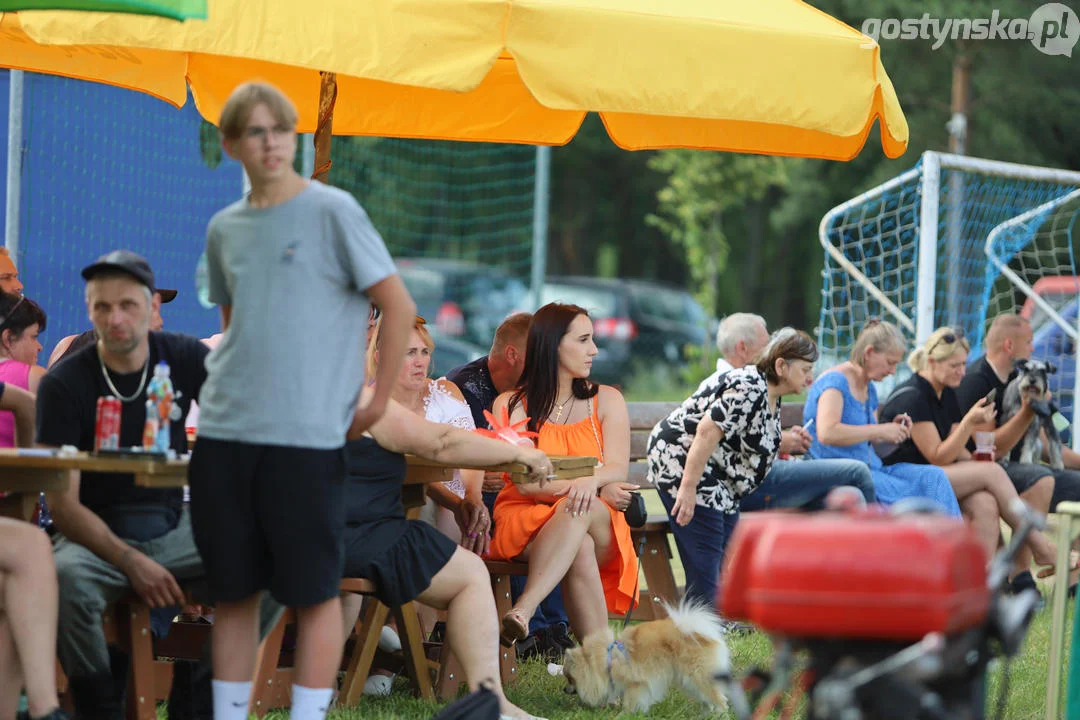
column 701, row 545
column 805, row 483
column 551, row 610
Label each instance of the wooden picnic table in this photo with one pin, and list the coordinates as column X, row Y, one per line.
column 32, row 471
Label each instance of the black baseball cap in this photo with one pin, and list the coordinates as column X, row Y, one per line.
column 131, row 263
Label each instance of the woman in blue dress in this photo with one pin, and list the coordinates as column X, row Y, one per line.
column 841, row 415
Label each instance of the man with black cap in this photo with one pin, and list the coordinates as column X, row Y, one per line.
column 115, row 537
column 68, row 345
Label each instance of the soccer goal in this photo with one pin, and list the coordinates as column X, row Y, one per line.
column 953, row 241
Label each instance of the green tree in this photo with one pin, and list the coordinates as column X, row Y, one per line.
column 702, row 189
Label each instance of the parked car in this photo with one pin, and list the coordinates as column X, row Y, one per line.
column 634, row 321
column 462, row 300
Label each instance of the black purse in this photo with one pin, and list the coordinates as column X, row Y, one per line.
column 480, row 705
column 636, row 514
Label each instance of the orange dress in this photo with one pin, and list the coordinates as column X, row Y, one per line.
column 519, row 518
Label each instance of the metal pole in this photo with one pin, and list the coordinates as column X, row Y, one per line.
column 928, row 241
column 14, row 163
column 541, row 203
column 307, row 154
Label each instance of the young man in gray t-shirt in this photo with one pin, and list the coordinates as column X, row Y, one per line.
column 292, row 267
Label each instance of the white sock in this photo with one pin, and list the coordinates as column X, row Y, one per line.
column 231, row 699
column 309, row 703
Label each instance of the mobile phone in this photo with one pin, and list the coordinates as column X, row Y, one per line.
column 991, row 395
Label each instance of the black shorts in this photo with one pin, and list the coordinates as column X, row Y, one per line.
column 268, row 517
column 1066, row 482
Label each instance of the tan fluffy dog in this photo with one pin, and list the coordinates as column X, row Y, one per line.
column 685, row 649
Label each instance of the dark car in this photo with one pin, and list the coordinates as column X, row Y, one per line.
column 462, row 300
column 451, row 352
column 634, row 321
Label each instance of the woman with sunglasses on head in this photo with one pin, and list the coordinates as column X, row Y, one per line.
column 939, row 436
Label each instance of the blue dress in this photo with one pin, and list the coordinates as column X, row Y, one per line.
column 892, row 482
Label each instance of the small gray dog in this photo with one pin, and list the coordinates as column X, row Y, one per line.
column 1033, row 380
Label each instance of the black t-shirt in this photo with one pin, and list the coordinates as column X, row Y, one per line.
column 474, row 381
column 916, row 397
column 980, row 380
column 67, row 412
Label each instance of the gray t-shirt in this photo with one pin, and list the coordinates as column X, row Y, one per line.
column 291, row 364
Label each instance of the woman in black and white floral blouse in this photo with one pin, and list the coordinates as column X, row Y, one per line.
column 717, row 447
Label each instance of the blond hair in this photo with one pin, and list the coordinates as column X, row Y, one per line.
column 419, row 325
column 937, row 348
column 880, row 335
column 1003, row 328
column 237, row 110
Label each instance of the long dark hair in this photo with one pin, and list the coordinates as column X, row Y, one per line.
column 540, row 378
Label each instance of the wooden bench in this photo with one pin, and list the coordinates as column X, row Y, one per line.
column 660, row 585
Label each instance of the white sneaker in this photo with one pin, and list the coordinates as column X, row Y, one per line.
column 378, row 685
column 389, row 640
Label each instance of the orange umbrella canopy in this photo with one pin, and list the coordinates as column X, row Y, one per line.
column 773, row 76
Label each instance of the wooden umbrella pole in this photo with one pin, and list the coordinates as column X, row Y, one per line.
column 324, row 130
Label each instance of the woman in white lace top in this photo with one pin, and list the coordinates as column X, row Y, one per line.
column 456, row 507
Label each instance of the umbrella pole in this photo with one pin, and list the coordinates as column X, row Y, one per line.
column 324, row 130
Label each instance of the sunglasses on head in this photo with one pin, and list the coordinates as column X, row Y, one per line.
column 954, row 335
column 4, row 322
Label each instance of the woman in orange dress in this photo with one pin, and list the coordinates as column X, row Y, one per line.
column 569, row 531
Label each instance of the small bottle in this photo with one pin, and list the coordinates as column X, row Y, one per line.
column 150, row 429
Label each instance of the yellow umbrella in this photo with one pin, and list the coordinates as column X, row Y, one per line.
column 771, row 76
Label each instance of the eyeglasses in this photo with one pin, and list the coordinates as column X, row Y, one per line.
column 260, row 133
column 419, row 321
column 954, row 335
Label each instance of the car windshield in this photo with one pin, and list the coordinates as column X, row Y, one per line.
column 600, row 302
column 667, row 305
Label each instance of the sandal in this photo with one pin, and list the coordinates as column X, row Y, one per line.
column 514, row 628
column 1050, row 570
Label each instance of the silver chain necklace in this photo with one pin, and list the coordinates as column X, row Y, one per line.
column 109, row 382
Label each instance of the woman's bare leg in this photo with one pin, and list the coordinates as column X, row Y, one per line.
column 10, row 673
column 583, row 593
column 969, row 476
column 981, row 511
column 555, row 549
column 463, row 589
column 28, row 601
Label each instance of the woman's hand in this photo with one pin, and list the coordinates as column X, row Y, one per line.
column 579, row 494
column 539, row 465
column 891, row 432
column 617, row 494
column 685, row 502
column 474, row 522
column 981, row 413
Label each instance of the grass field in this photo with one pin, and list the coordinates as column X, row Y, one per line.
column 540, row 693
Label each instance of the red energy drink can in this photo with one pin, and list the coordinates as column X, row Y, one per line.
column 107, row 425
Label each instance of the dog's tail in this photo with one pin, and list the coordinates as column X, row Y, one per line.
column 695, row 618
